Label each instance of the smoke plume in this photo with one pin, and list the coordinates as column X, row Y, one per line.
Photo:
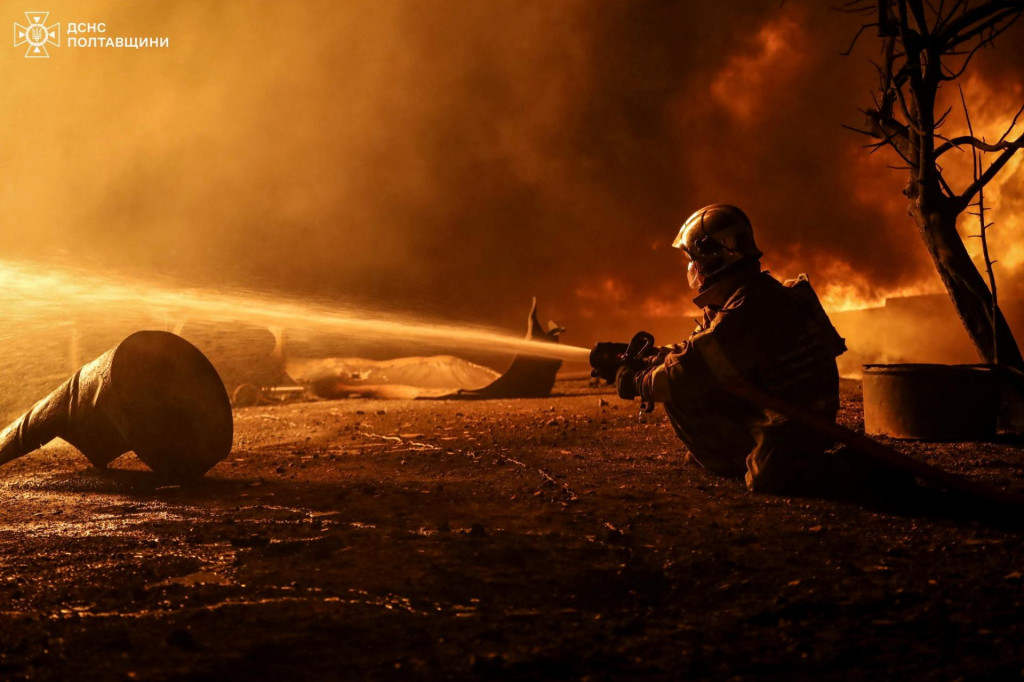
column 454, row 159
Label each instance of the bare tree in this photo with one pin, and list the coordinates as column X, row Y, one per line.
column 926, row 44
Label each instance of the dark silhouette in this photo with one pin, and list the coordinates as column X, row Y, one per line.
column 925, row 47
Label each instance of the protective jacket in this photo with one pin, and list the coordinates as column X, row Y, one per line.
column 775, row 337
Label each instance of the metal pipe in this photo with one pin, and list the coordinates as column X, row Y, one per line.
column 154, row 393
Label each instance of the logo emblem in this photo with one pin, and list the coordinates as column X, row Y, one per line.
column 37, row 34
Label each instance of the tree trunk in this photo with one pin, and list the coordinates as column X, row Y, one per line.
column 971, row 296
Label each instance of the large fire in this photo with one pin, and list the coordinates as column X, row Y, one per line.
column 489, row 154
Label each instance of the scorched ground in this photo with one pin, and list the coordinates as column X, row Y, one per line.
column 555, row 538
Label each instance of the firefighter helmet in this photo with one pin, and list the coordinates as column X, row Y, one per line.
column 714, row 238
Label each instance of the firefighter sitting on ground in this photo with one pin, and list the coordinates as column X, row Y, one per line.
column 772, row 336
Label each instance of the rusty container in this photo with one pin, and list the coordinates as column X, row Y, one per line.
column 931, row 402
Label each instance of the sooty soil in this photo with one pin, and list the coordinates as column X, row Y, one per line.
column 533, row 539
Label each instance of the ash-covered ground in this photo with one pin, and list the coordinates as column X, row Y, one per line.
column 531, row 539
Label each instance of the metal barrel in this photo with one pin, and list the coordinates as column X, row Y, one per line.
column 931, row 402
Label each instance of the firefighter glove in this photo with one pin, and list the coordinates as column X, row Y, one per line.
column 625, row 383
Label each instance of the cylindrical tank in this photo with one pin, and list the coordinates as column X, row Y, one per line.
column 931, row 402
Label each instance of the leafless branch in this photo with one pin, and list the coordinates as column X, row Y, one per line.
column 925, row 43
column 1013, row 123
column 911, row 119
column 894, row 133
column 856, row 7
column 917, row 9
column 991, row 26
column 946, row 17
column 962, row 15
column 952, row 75
column 853, row 42
column 946, row 189
column 983, row 233
column 987, row 41
column 980, row 145
column 990, row 172
column 858, row 130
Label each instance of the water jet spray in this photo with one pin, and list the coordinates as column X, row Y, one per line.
column 35, row 291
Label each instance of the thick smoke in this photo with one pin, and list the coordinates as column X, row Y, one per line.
column 454, row 159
